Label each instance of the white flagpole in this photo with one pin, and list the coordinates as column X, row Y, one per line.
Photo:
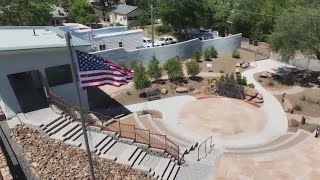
column 84, row 129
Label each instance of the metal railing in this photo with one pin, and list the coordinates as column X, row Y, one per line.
column 205, row 147
column 124, row 130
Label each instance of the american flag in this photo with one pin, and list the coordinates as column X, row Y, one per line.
column 95, row 71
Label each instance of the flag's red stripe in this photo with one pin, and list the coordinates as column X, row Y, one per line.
column 86, row 87
column 103, row 79
column 102, row 73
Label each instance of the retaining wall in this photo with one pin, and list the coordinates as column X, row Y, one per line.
column 184, row 50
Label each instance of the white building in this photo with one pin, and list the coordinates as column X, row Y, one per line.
column 32, row 58
column 125, row 15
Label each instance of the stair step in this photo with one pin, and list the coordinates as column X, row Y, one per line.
column 68, row 128
column 134, row 158
column 126, row 155
column 174, row 172
column 77, row 135
column 109, row 157
column 161, row 167
column 109, row 146
column 104, row 143
column 58, row 128
column 53, row 126
column 74, row 126
column 168, row 171
column 46, row 125
column 59, row 120
column 139, row 160
column 72, row 133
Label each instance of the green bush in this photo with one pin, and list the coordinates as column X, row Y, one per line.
column 154, row 69
column 140, row 77
column 118, row 24
column 222, row 78
column 213, row 52
column 134, row 63
column 241, row 80
column 174, row 69
column 196, row 55
column 251, row 85
column 236, row 54
column 163, row 29
column 193, row 68
column 207, row 54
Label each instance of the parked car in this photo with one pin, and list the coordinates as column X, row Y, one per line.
column 147, row 42
column 165, row 41
column 152, row 95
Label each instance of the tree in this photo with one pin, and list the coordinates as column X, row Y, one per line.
column 140, row 77
column 81, row 11
column 181, row 15
column 174, row 69
column 107, row 6
column 31, row 12
column 297, row 30
column 154, row 70
column 196, row 55
column 207, row 54
column 193, row 68
column 213, row 52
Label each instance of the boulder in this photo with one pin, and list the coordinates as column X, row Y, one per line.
column 259, row 96
column 164, row 91
column 251, row 92
column 196, row 91
column 245, row 65
column 293, row 123
column 237, row 71
column 203, row 89
column 238, row 65
column 248, row 98
column 255, row 100
column 95, row 119
column 182, row 90
column 287, row 105
column 76, row 114
column 265, row 74
column 241, row 62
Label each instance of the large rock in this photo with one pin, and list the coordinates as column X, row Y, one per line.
column 265, row 74
column 164, row 91
column 182, row 90
column 95, row 119
column 238, row 65
column 251, row 92
column 293, row 123
column 245, row 65
column 287, row 105
column 237, row 71
column 248, row 98
column 241, row 62
column 203, row 89
column 196, row 91
column 255, row 100
column 259, row 96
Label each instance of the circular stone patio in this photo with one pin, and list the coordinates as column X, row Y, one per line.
column 224, row 117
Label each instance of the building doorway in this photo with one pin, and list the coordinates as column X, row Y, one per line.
column 29, row 90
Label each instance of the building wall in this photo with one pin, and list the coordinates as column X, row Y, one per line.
column 118, row 18
column 27, row 60
column 184, row 50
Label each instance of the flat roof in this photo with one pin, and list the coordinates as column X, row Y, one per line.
column 22, row 37
column 118, row 33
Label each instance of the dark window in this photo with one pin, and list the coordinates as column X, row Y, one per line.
column 120, row 44
column 58, row 75
column 102, row 47
column 130, row 18
column 135, row 17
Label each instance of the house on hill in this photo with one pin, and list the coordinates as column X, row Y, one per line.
column 125, row 14
column 34, row 60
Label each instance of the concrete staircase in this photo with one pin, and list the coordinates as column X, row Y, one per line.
column 282, row 143
column 107, row 145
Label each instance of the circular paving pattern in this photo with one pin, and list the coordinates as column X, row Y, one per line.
column 223, row 117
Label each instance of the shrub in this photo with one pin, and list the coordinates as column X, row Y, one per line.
column 209, row 81
column 163, row 29
column 154, row 69
column 118, row 24
column 241, row 80
column 140, row 77
column 297, row 107
column 191, row 88
column 251, row 85
column 207, row 54
column 222, row 78
column 213, row 52
column 174, row 69
column 193, row 68
column 196, row 55
column 134, row 63
column 303, row 98
column 236, row 54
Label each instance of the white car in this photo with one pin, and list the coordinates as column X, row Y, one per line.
column 165, row 41
column 147, row 42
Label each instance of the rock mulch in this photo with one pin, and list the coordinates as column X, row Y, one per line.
column 52, row 159
column 5, row 173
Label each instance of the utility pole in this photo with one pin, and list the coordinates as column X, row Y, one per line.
column 152, row 30
column 84, row 129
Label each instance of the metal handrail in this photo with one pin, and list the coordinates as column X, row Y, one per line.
column 205, row 146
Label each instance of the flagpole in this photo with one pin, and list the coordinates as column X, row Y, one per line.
column 74, row 74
